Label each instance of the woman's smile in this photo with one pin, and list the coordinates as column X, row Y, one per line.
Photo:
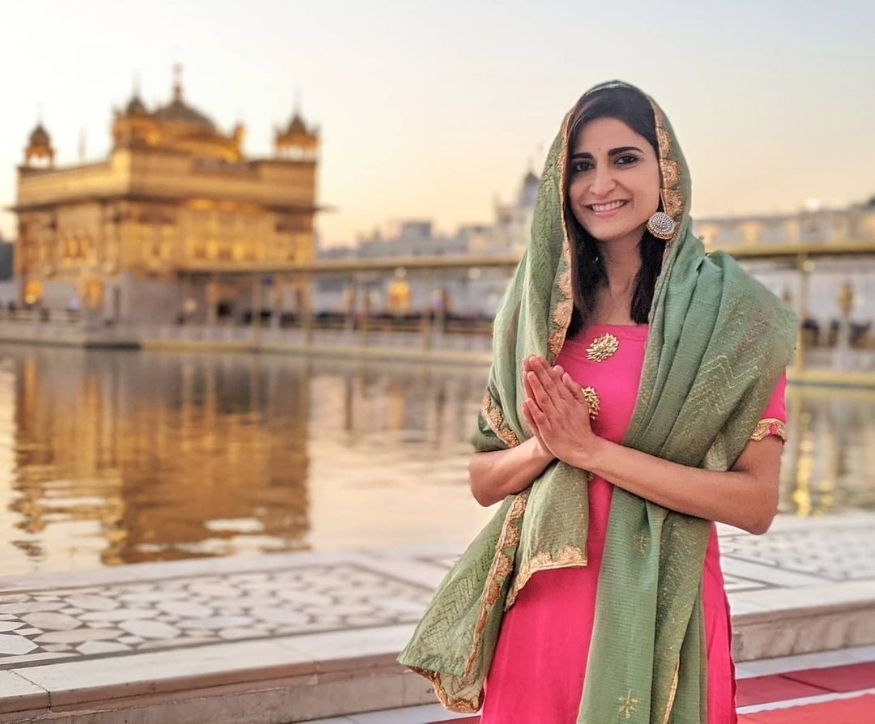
column 606, row 210
column 613, row 184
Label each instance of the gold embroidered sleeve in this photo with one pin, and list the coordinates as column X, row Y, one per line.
column 769, row 426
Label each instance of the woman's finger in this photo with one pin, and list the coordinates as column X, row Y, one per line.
column 577, row 392
column 542, row 396
column 551, row 379
column 530, row 421
column 537, row 414
column 562, row 388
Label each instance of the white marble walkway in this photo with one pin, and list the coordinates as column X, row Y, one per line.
column 329, row 624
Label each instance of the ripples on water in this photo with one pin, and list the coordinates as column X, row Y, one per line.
column 110, row 457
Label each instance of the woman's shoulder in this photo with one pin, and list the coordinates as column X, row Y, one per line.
column 743, row 290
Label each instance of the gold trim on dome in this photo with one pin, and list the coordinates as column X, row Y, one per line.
column 764, row 429
column 602, row 347
column 566, row 557
column 592, row 399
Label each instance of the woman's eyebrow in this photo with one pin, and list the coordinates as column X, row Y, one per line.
column 612, row 152
column 623, row 149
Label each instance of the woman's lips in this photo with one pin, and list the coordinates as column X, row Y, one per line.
column 605, row 211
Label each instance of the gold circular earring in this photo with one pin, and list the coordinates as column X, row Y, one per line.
column 661, row 225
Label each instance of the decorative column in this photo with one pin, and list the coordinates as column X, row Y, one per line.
column 842, row 354
column 804, row 266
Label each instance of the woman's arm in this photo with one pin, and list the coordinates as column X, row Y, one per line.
column 495, row 475
column 745, row 496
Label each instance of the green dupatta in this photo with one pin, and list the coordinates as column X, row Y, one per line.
column 717, row 343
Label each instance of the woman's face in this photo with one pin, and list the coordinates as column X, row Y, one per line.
column 613, row 186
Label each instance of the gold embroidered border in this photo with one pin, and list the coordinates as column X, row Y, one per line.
column 462, row 706
column 673, row 200
column 562, row 311
column 502, row 565
column 560, row 315
column 671, row 694
column 496, row 421
column 565, row 558
column 764, row 429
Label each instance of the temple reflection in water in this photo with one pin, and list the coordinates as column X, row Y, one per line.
column 110, row 457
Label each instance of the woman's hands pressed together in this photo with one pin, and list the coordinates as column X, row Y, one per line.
column 556, row 411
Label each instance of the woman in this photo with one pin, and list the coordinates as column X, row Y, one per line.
column 621, row 352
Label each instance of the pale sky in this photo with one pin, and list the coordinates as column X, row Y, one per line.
column 432, row 109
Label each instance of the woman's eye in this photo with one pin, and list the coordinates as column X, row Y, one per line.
column 580, row 166
column 626, row 160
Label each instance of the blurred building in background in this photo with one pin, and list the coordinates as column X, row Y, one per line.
column 146, row 234
column 835, row 286
column 471, row 292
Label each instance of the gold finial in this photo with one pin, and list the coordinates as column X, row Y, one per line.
column 177, row 81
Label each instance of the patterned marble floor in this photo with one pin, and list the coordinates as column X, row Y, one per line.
column 151, row 607
column 175, row 612
column 203, row 640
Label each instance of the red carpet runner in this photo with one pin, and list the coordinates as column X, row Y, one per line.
column 796, row 686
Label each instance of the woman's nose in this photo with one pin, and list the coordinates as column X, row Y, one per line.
column 602, row 182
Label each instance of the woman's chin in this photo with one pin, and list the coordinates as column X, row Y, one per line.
column 607, row 233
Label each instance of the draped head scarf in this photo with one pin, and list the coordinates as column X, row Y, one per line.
column 717, row 343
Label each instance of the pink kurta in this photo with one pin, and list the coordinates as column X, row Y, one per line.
column 539, row 665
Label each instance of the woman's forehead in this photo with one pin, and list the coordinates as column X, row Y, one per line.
column 603, row 134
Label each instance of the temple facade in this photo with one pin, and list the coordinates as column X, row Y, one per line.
column 151, row 233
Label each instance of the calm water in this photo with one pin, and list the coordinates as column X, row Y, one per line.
column 110, row 457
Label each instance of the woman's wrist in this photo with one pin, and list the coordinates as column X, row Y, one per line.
column 541, row 453
column 587, row 454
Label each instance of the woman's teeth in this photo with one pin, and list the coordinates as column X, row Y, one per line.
column 607, row 207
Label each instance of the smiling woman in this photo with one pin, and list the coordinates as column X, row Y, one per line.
column 635, row 397
column 605, row 180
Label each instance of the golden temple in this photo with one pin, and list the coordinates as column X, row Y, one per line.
column 122, row 237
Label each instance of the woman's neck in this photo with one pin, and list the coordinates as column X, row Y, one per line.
column 622, row 261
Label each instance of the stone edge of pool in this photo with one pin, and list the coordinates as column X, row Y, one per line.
column 801, row 588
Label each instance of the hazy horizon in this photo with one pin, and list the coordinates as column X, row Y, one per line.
column 432, row 110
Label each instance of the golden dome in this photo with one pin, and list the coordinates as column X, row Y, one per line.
column 39, row 137
column 136, row 107
column 296, row 124
column 178, row 111
column 39, row 146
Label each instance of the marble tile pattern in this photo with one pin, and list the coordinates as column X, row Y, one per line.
column 152, row 607
column 844, row 554
column 795, row 552
column 92, row 621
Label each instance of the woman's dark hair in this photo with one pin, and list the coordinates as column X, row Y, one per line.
column 587, row 266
